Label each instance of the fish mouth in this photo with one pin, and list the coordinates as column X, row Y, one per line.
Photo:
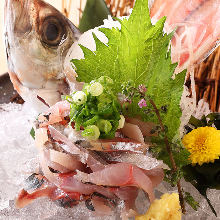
column 17, row 17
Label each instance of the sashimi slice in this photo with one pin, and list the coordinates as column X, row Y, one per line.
column 118, row 144
column 145, row 127
column 198, row 28
column 69, row 183
column 25, row 198
column 133, row 131
column 85, row 156
column 156, row 175
column 47, row 189
column 176, row 11
column 55, row 114
column 121, row 175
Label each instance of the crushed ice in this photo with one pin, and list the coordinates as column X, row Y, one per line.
column 19, row 158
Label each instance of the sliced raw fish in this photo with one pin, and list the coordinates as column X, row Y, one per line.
column 121, row 175
column 198, row 28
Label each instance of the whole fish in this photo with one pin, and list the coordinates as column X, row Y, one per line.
column 37, row 39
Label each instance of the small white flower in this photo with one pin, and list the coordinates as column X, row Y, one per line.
column 79, row 97
column 121, row 122
column 96, row 89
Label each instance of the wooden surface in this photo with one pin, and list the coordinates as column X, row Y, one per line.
column 207, row 78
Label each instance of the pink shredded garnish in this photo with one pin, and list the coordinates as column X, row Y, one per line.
column 142, row 103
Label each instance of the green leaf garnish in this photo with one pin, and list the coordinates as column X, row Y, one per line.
column 32, row 133
column 93, row 15
column 96, row 109
column 209, row 120
column 138, row 53
column 124, row 57
column 91, row 132
column 191, row 201
column 180, row 154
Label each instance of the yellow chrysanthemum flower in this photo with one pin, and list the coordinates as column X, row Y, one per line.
column 204, row 144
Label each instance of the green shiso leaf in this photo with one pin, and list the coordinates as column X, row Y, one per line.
column 124, row 57
column 139, row 54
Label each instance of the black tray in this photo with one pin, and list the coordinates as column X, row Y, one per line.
column 7, row 92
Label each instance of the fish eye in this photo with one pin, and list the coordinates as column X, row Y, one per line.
column 52, row 31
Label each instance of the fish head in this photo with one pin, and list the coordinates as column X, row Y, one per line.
column 37, row 39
